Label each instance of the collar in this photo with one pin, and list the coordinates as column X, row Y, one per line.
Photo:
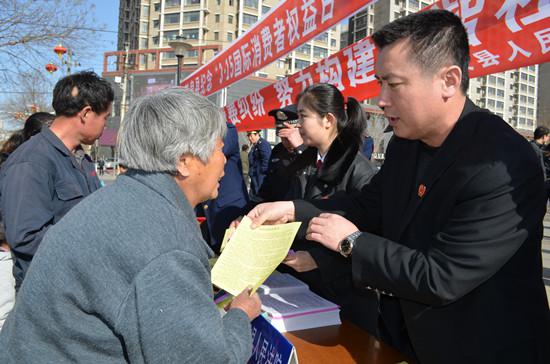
column 163, row 183
column 321, row 157
column 54, row 141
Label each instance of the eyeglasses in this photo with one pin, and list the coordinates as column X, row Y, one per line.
column 251, row 133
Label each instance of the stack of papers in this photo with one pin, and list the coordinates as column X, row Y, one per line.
column 290, row 305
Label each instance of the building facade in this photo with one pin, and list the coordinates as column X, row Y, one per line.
column 511, row 94
column 209, row 25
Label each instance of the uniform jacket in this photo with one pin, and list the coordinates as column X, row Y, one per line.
column 232, row 193
column 459, row 253
column 258, row 164
column 39, row 183
column 124, row 278
column 344, row 170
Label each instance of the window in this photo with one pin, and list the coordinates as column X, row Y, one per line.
column 172, row 3
column 490, row 103
column 531, row 90
column 500, row 81
column 320, row 52
column 300, row 64
column 230, row 19
column 157, row 7
column 500, row 105
column 531, row 78
column 156, row 41
column 523, row 98
column 169, row 55
column 333, row 43
column 145, row 11
column 261, row 74
column 413, row 4
column 217, row 18
column 304, row 48
column 530, row 112
column 219, row 2
column 265, row 9
column 524, row 76
column 156, row 23
column 279, row 78
column 190, row 33
column 172, row 18
column 170, row 35
column 492, row 80
column 143, row 43
column 251, row 4
column 142, row 59
column 229, row 36
column 191, row 16
column 143, row 27
column 281, row 63
column 230, row 2
column 491, row 91
column 191, row 53
column 323, row 37
column 216, row 35
column 531, row 100
column 249, row 19
column 192, row 2
column 500, row 93
column 522, row 109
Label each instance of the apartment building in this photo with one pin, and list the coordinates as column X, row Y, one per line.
column 211, row 24
column 511, row 94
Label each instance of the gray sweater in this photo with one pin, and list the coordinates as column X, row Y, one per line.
column 124, row 277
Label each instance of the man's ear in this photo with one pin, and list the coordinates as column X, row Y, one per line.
column 84, row 112
column 184, row 165
column 451, row 79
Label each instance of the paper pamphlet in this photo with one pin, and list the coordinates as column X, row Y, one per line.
column 250, row 256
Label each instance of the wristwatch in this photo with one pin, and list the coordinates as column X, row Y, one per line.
column 346, row 245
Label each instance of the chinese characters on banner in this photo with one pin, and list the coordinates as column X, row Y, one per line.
column 503, row 35
column 283, row 29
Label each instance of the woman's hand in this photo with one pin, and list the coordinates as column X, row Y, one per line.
column 300, row 261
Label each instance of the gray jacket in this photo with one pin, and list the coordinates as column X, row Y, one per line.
column 124, row 277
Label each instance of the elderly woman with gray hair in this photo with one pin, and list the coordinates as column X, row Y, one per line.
column 124, row 276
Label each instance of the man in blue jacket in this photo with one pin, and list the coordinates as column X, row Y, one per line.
column 232, row 194
column 49, row 174
column 258, row 159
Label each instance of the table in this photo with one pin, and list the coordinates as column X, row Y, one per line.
column 342, row 344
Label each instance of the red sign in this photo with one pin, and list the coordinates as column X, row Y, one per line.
column 503, row 35
column 283, row 29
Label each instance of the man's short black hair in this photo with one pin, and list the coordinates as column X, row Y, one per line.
column 540, row 132
column 436, row 38
column 74, row 92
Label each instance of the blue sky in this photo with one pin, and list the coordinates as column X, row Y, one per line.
column 106, row 13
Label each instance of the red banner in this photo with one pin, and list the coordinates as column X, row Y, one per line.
column 284, row 28
column 503, row 35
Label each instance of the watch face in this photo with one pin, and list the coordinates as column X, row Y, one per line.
column 345, row 246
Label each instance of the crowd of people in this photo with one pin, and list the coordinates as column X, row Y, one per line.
column 437, row 254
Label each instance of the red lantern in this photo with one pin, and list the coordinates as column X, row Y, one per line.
column 51, row 68
column 60, row 50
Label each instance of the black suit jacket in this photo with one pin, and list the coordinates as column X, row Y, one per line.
column 461, row 261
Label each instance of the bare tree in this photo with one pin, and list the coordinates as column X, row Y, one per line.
column 30, row 29
column 34, row 94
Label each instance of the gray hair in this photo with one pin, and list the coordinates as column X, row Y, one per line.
column 158, row 129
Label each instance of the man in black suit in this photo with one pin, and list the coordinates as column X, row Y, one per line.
column 449, row 231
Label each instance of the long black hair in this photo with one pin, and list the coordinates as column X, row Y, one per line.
column 324, row 98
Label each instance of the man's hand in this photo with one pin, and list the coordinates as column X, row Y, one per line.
column 250, row 304
column 300, row 261
column 292, row 134
column 272, row 213
column 329, row 230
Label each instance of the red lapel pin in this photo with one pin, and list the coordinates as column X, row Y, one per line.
column 421, row 190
